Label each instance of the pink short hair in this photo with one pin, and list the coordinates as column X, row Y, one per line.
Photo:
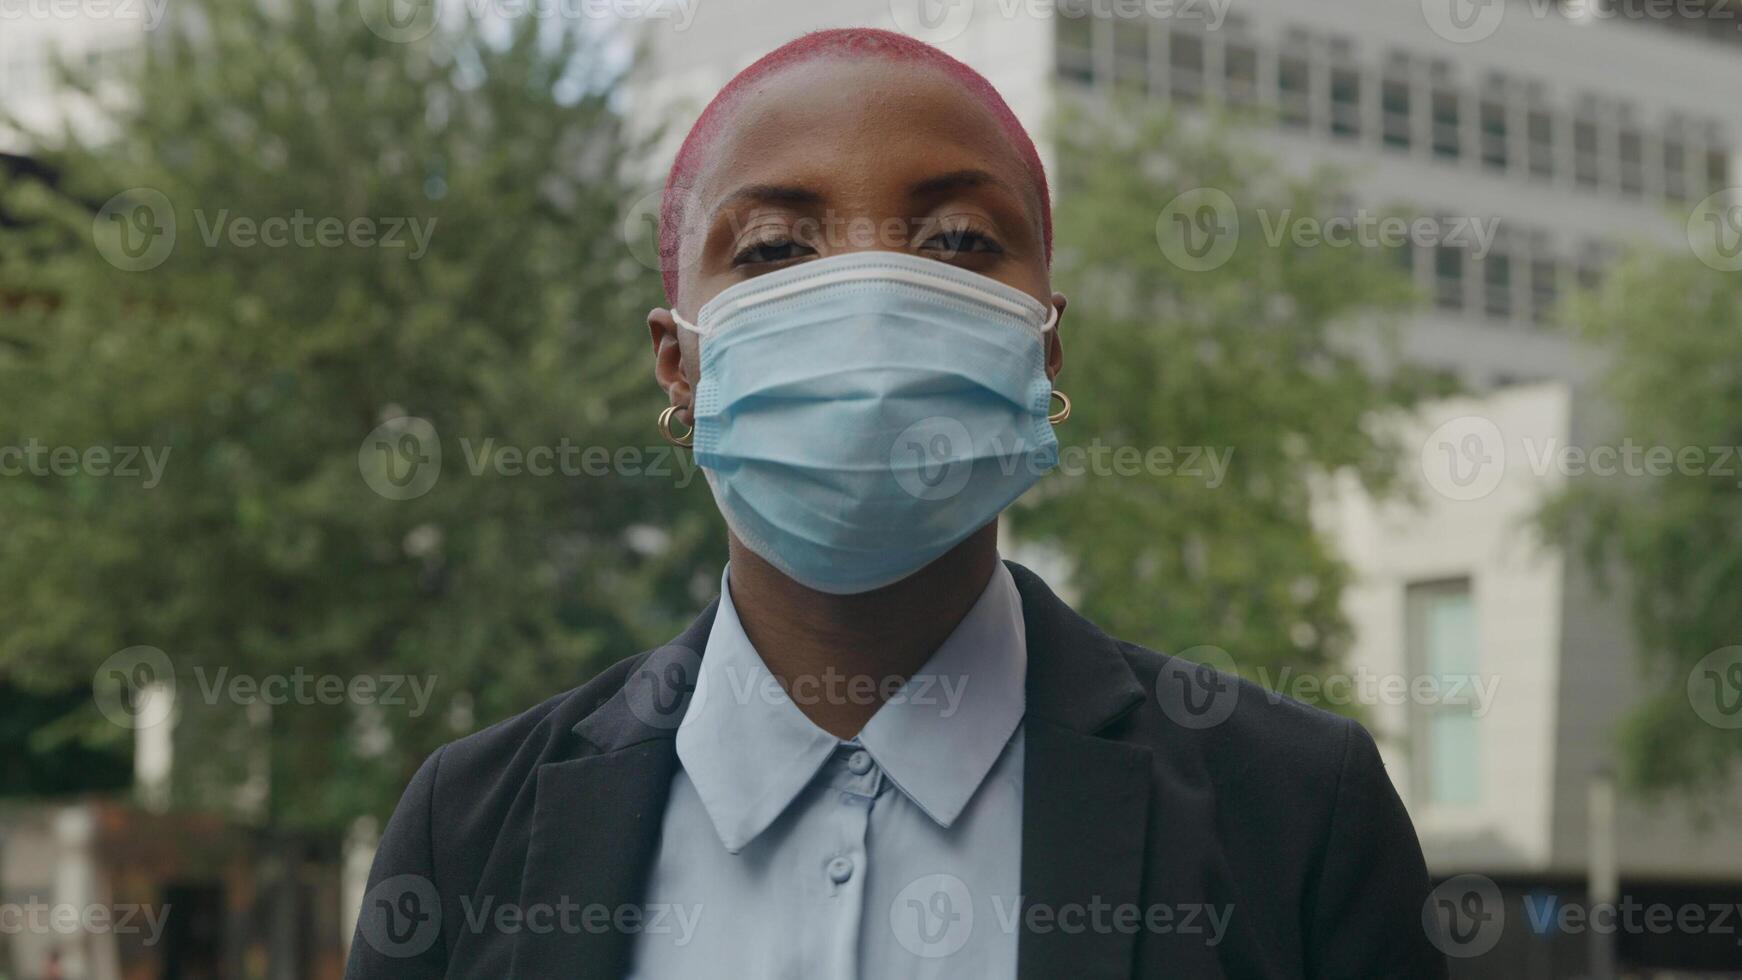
column 847, row 43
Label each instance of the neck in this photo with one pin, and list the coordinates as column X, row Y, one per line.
column 840, row 656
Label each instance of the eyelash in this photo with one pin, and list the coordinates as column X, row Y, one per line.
column 964, row 240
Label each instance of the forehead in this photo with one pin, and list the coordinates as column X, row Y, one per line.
column 852, row 125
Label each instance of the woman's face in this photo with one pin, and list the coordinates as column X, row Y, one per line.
column 837, row 156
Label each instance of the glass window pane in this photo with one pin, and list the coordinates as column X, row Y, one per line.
column 1240, row 65
column 1454, row 773
column 1494, row 135
column 1394, row 107
column 1293, row 89
column 1345, row 102
column 1445, row 113
column 1541, row 126
column 1186, row 63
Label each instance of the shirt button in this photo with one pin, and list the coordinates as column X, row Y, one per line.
column 859, row 763
column 840, row 869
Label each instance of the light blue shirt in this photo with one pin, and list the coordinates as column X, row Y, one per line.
column 893, row 856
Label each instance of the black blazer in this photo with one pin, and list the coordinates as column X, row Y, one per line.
column 1280, row 812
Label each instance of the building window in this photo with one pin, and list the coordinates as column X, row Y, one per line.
column 1240, row 69
column 1131, row 55
column 1717, row 170
column 1544, row 287
column 1675, row 169
column 1540, row 126
column 1185, row 53
column 1632, row 147
column 1076, row 50
column 1345, row 103
column 1394, row 112
column 1497, row 282
column 1493, row 134
column 1294, row 85
column 1585, row 169
column 1441, row 618
column 1448, row 276
column 1445, row 116
column 1589, row 271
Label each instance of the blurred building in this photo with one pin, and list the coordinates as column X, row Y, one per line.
column 1570, row 131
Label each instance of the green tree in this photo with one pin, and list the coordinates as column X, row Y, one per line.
column 312, row 229
column 1670, row 544
column 1193, row 328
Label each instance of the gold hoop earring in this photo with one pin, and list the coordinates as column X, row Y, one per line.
column 1063, row 413
column 665, row 418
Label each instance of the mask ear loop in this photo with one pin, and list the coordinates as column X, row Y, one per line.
column 1064, row 412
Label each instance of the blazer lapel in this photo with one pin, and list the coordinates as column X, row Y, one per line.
column 1085, row 798
column 596, row 822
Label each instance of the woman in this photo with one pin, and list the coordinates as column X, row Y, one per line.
column 883, row 752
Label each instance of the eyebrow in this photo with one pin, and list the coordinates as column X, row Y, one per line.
column 792, row 194
column 769, row 194
column 957, row 180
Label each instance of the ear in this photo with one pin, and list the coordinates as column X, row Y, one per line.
column 1055, row 351
column 668, row 363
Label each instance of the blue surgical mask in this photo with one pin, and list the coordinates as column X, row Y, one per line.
column 858, row 416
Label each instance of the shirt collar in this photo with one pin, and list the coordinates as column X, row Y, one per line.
column 749, row 751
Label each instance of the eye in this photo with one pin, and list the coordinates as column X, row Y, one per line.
column 771, row 249
column 961, row 239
